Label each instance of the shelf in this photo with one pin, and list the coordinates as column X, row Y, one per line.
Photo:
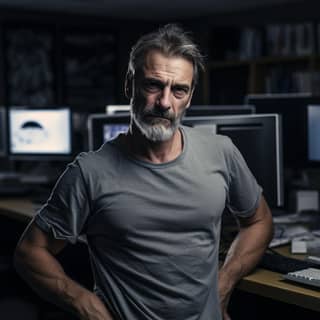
column 261, row 61
column 284, row 59
column 226, row 64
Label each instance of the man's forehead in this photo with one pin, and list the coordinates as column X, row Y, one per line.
column 157, row 56
column 157, row 63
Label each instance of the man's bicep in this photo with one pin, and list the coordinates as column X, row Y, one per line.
column 34, row 237
column 262, row 213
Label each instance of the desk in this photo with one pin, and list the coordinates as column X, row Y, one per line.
column 270, row 284
column 21, row 209
column 261, row 282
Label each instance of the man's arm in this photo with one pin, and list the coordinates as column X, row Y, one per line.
column 245, row 251
column 35, row 261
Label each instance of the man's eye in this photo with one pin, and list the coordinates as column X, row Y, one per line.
column 152, row 87
column 180, row 92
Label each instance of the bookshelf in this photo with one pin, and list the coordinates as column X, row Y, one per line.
column 48, row 63
column 274, row 58
column 89, row 67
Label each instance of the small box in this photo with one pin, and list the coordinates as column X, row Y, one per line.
column 305, row 200
column 298, row 246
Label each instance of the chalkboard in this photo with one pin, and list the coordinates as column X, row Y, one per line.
column 28, row 54
column 89, row 69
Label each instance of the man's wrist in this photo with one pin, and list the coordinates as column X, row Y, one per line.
column 231, row 273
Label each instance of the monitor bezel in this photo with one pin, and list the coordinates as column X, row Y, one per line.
column 48, row 156
column 254, row 118
column 96, row 121
column 118, row 109
column 219, row 110
column 3, row 131
column 295, row 136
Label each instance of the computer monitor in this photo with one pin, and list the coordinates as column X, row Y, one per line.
column 103, row 127
column 313, row 129
column 39, row 133
column 117, row 108
column 218, row 110
column 258, row 137
column 3, row 132
column 293, row 109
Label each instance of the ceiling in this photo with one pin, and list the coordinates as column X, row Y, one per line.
column 144, row 9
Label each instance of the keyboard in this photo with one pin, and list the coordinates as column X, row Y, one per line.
column 276, row 242
column 309, row 276
column 279, row 263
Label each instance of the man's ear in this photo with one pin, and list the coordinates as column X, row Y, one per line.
column 128, row 85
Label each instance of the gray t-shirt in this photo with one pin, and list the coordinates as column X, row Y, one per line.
column 153, row 229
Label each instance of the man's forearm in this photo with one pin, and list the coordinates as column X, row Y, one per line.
column 245, row 252
column 46, row 276
column 249, row 245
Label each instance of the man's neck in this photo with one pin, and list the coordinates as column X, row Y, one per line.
column 153, row 152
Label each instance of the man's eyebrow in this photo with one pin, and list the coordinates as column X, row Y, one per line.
column 181, row 86
column 155, row 80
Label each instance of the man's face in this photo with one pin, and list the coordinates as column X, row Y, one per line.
column 162, row 91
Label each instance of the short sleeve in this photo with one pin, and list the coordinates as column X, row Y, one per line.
column 244, row 192
column 68, row 207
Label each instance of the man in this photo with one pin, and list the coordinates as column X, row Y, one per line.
column 150, row 204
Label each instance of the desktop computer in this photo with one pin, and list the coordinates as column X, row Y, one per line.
column 299, row 125
column 39, row 133
column 258, row 137
column 35, row 139
column 103, row 127
column 218, row 110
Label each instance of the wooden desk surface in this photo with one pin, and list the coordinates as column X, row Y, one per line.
column 271, row 285
column 261, row 282
column 21, row 209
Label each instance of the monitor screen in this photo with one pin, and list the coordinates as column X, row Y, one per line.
column 313, row 114
column 218, row 110
column 39, row 132
column 293, row 109
column 103, row 127
column 3, row 139
column 258, row 137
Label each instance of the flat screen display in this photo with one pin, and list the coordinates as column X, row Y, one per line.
column 39, row 132
column 259, row 139
column 293, row 109
column 313, row 132
column 110, row 131
column 104, row 127
column 218, row 110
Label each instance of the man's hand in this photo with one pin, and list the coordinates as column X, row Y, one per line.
column 92, row 308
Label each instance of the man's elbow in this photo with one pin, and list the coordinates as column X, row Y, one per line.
column 267, row 214
column 19, row 259
column 266, row 220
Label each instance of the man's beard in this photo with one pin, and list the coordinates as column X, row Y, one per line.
column 158, row 130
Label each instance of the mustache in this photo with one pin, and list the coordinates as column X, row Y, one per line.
column 166, row 114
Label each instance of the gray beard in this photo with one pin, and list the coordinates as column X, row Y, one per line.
column 157, row 132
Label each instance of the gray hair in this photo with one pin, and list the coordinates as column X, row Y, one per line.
column 171, row 40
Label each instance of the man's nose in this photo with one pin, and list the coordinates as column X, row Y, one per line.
column 165, row 98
